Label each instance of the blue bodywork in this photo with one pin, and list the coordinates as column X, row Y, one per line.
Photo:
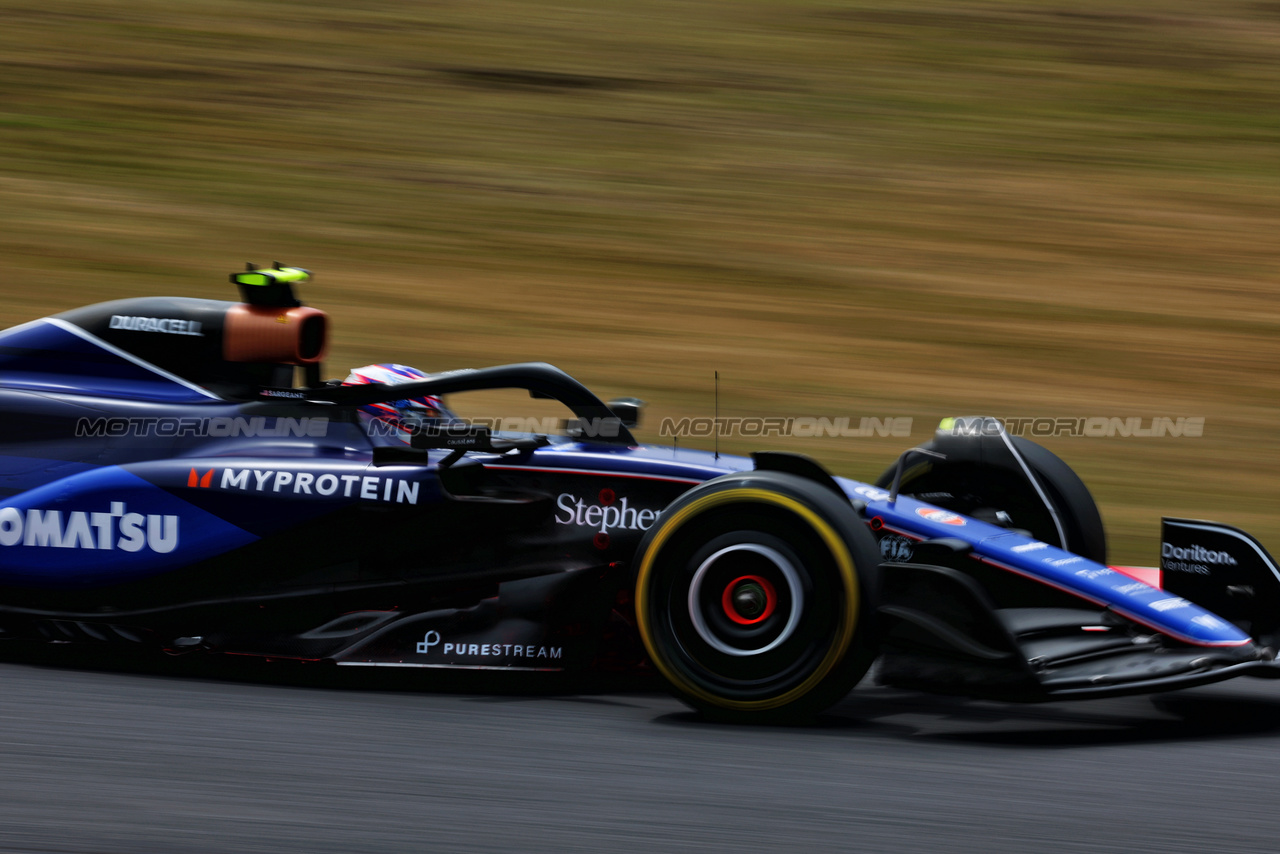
column 119, row 476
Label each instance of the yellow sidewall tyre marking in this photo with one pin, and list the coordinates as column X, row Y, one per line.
column 835, row 544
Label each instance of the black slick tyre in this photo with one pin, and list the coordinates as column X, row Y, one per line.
column 754, row 596
column 1047, row 498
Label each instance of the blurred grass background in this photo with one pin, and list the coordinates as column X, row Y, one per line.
column 847, row 208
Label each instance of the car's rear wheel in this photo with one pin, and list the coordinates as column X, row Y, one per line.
column 754, row 594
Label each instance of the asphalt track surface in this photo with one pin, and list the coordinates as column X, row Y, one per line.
column 98, row 759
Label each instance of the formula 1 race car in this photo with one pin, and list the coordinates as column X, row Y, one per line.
column 175, row 475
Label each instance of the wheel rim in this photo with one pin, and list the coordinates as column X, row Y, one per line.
column 753, row 643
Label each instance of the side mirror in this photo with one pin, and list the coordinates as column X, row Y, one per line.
column 627, row 409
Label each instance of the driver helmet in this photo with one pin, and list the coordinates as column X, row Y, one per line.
column 405, row 413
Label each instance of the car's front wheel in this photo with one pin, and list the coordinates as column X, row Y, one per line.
column 1020, row 484
column 754, row 594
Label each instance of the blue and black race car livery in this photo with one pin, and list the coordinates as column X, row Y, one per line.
column 176, row 475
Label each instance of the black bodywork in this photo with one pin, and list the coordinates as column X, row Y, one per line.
column 176, row 476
